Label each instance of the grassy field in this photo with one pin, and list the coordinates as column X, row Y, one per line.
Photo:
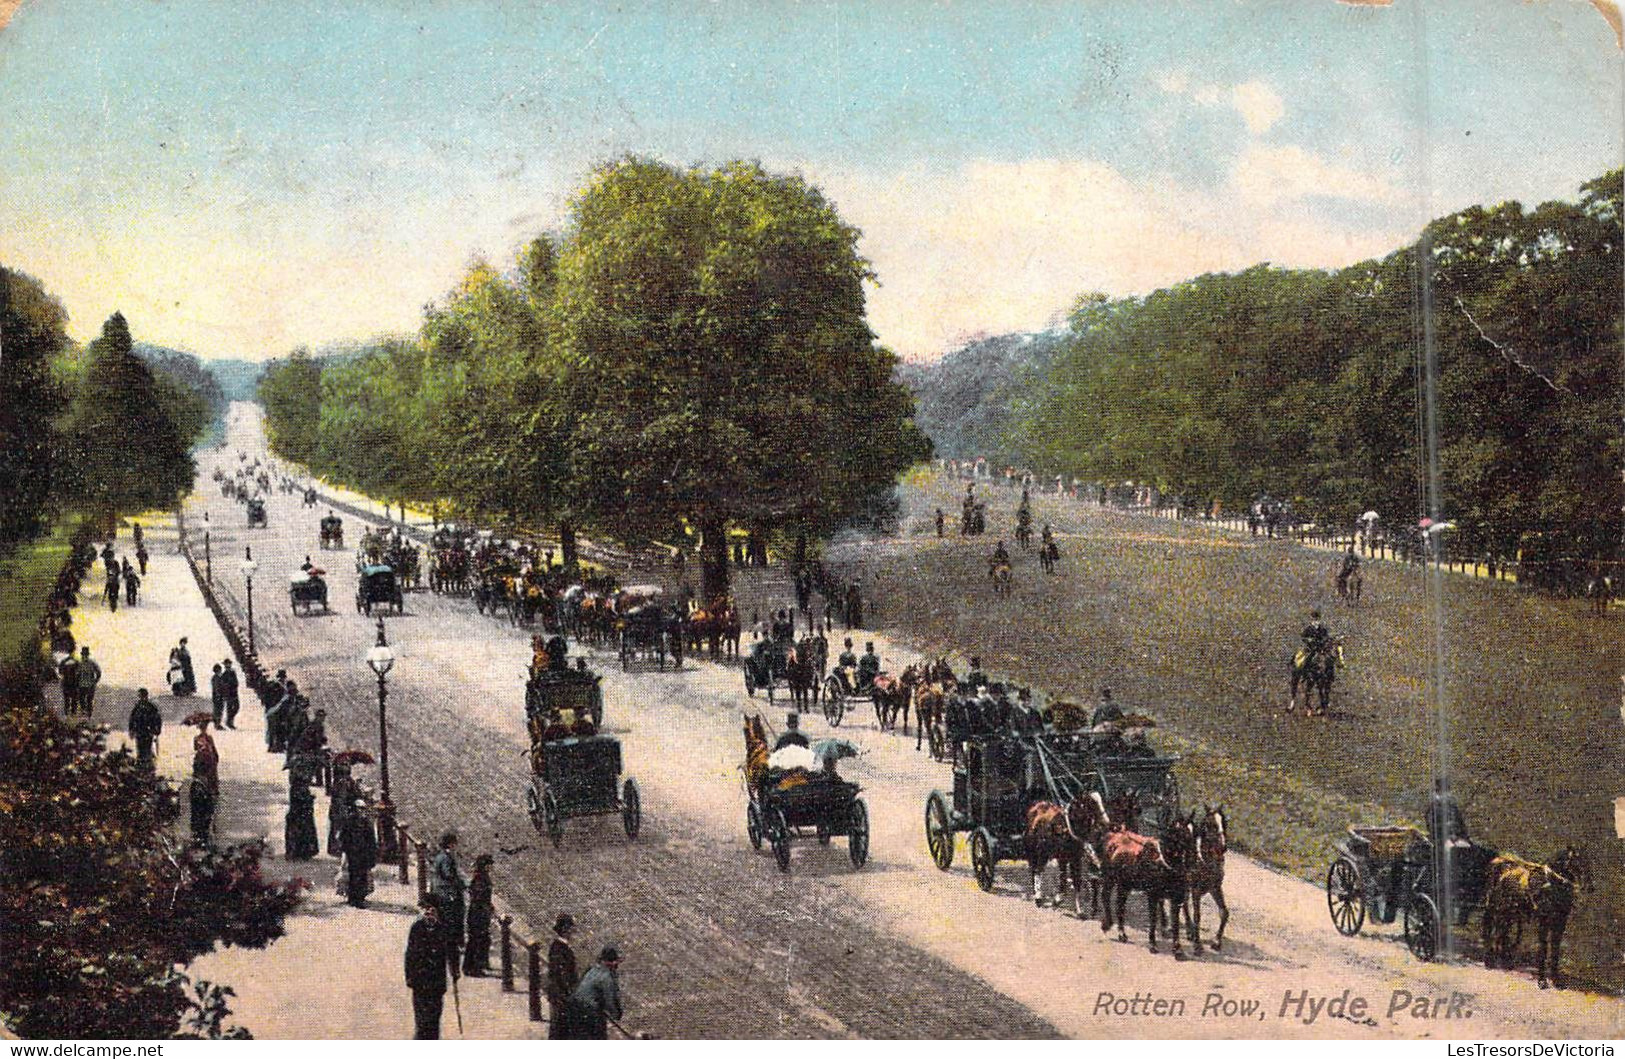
column 27, row 575
column 1196, row 627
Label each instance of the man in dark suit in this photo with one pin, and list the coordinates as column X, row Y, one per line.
column 430, row 957
column 228, row 691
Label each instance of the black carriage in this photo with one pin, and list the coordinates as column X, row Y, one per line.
column 998, row 776
column 406, row 560
column 580, row 776
column 378, row 586
column 824, row 806
column 552, row 691
column 306, row 592
column 651, row 633
column 256, row 513
column 332, row 532
column 767, row 667
column 843, row 690
column 1388, row 873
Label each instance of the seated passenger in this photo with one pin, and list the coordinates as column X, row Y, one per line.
column 792, row 733
column 868, row 666
column 847, row 660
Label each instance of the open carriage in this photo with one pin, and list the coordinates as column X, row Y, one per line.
column 821, row 806
column 648, row 629
column 1388, row 873
column 575, row 771
column 256, row 513
column 306, row 592
column 332, row 532
column 767, row 667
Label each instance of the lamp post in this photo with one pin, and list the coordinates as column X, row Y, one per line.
column 208, row 558
column 379, row 660
column 249, row 566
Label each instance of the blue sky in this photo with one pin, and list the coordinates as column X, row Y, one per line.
column 242, row 178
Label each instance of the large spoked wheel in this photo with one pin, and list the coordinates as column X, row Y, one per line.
column 552, row 818
column 939, row 832
column 834, row 702
column 857, row 840
column 533, row 808
column 753, row 825
column 631, row 808
column 1422, row 927
column 1345, row 897
column 779, row 836
column 981, row 858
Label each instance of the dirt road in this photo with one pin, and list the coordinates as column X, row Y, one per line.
column 721, row 944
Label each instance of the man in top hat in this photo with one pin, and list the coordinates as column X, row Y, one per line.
column 562, row 975
column 792, row 733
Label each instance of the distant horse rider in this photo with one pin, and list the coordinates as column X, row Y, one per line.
column 1001, row 556
column 1349, row 567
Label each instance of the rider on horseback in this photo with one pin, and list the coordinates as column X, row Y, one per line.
column 1316, row 638
column 1001, row 557
column 1048, row 536
column 1350, row 566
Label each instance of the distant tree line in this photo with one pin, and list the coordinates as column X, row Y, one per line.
column 91, row 430
column 691, row 354
column 1307, row 384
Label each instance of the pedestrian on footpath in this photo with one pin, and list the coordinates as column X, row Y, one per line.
column 217, row 698
column 305, row 752
column 89, row 674
column 341, row 796
column 447, row 883
column 562, row 975
column 180, row 664
column 112, row 587
column 596, row 1000
column 477, row 957
column 429, row 959
column 360, row 853
column 145, row 725
column 299, row 840
column 67, row 671
column 132, row 583
column 277, row 721
column 229, row 685
column 205, row 791
column 141, row 556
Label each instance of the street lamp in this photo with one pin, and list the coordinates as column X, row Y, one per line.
column 380, row 659
column 248, row 567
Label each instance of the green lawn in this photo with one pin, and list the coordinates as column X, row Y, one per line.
column 27, row 575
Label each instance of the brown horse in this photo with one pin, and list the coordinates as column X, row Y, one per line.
column 1205, row 875
column 801, row 673
column 1156, row 867
column 1519, row 889
column 1067, row 835
column 931, row 704
column 893, row 695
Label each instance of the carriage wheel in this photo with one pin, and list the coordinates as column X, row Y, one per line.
column 1345, row 897
column 779, row 835
column 533, row 808
column 857, row 839
column 753, row 825
column 939, row 748
column 631, row 808
column 939, row 832
column 834, row 702
column 823, row 834
column 981, row 858
column 552, row 818
column 1422, row 927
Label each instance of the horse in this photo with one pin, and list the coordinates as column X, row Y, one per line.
column 931, row 704
column 801, row 673
column 1024, row 529
column 1067, row 835
column 1599, row 591
column 1000, row 575
column 1205, row 875
column 1316, row 671
column 892, row 696
column 1350, row 586
column 1049, row 557
column 1519, row 889
column 1156, row 867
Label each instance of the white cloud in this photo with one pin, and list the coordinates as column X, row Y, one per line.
column 1258, row 105
column 995, row 247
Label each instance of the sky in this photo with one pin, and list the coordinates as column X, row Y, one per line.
column 240, row 179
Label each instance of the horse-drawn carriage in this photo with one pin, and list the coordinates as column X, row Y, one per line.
column 555, row 690
column 1388, row 873
column 767, row 667
column 310, row 496
column 256, row 513
column 847, row 687
column 378, row 586
column 649, row 629
column 1001, row 775
column 332, row 531
column 404, row 557
column 786, row 804
column 307, row 591
column 575, row 770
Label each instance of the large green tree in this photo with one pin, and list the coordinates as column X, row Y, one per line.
column 718, row 359
column 32, row 334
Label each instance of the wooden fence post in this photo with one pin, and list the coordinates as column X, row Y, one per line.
column 507, row 954
column 403, row 836
column 535, row 969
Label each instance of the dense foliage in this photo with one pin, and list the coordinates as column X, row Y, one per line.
column 1307, row 384
column 99, row 901
column 968, row 402
column 33, row 333
column 692, row 354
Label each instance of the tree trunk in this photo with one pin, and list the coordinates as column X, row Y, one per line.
column 567, row 543
column 713, row 560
